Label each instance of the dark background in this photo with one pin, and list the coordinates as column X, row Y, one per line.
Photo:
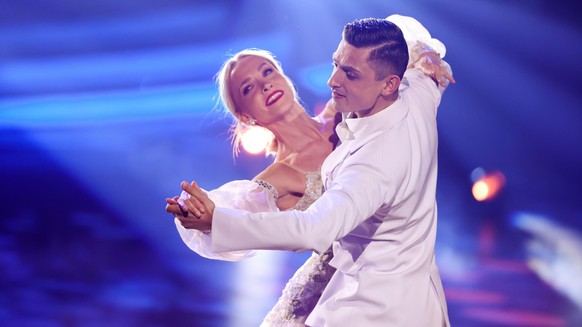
column 105, row 106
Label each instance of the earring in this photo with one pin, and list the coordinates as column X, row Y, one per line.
column 252, row 122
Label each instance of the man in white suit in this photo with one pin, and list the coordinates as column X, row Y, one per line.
column 378, row 210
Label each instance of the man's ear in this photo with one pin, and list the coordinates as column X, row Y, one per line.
column 392, row 83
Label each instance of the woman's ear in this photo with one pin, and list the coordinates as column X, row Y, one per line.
column 391, row 85
column 245, row 118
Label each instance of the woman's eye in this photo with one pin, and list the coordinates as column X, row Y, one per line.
column 267, row 71
column 247, row 89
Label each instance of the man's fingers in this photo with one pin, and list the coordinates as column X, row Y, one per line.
column 189, row 188
column 193, row 223
column 195, row 206
column 198, row 197
column 203, row 198
column 199, row 203
column 186, row 222
column 195, row 185
column 199, row 200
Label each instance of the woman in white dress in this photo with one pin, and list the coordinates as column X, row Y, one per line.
column 254, row 89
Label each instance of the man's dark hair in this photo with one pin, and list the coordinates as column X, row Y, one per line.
column 390, row 53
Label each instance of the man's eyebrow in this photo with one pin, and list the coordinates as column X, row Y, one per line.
column 344, row 67
column 349, row 69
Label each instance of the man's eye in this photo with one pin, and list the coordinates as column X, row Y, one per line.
column 351, row 76
column 247, row 89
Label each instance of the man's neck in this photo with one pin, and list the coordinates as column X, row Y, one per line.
column 379, row 106
column 370, row 112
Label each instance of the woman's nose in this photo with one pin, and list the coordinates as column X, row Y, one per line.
column 267, row 87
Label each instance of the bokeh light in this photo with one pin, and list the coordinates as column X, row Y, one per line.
column 255, row 139
column 487, row 186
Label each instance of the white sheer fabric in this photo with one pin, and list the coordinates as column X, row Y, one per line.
column 417, row 36
column 241, row 194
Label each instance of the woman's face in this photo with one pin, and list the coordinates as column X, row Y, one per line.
column 259, row 90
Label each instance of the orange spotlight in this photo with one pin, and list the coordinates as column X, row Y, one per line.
column 488, row 186
column 255, row 139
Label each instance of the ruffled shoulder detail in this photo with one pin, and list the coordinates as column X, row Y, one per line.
column 417, row 36
column 246, row 195
column 241, row 194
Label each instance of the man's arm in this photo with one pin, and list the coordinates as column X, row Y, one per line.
column 425, row 52
column 356, row 194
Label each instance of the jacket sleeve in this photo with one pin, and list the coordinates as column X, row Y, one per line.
column 355, row 195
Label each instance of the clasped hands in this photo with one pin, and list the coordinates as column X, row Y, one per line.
column 193, row 212
column 431, row 65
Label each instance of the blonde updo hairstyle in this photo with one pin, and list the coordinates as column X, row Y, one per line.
column 238, row 128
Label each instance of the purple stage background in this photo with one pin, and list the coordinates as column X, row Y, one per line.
column 105, row 106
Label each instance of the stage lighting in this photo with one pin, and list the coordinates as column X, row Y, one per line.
column 486, row 186
column 255, row 139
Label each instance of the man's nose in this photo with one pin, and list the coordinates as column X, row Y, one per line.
column 333, row 81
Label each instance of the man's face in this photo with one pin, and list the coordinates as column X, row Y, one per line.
column 353, row 82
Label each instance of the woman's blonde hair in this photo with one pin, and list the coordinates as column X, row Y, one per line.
column 238, row 128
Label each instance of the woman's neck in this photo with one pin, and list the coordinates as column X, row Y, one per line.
column 297, row 133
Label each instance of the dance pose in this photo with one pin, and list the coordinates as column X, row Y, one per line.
column 429, row 64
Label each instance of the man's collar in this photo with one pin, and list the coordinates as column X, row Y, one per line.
column 385, row 118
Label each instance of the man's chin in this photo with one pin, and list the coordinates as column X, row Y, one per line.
column 339, row 106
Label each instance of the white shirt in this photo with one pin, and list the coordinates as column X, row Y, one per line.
column 378, row 211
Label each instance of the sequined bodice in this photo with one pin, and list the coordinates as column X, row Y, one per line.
column 313, row 190
column 305, row 287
